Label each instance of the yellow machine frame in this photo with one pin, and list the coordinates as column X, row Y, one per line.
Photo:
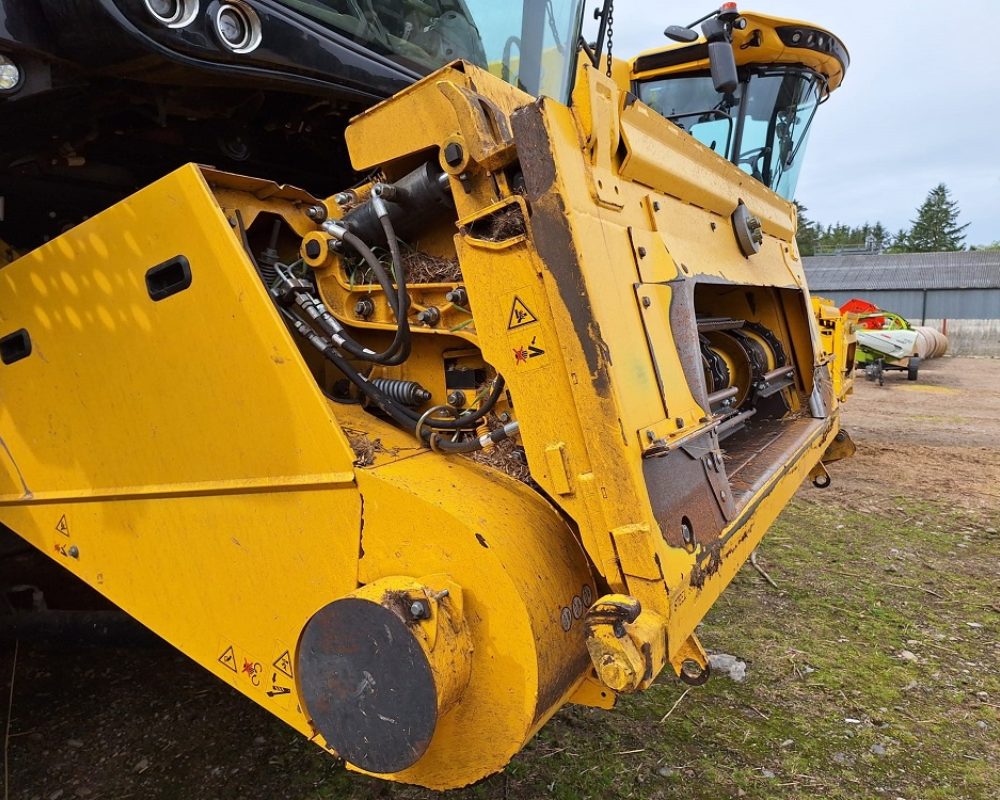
column 180, row 456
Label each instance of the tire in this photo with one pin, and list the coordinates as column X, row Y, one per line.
column 913, row 369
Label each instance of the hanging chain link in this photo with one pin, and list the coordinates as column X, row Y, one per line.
column 611, row 33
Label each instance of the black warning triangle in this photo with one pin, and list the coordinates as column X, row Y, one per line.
column 520, row 315
column 283, row 664
column 63, row 526
column 228, row 658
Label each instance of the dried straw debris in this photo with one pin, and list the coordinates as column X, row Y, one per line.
column 425, row 268
column 365, row 448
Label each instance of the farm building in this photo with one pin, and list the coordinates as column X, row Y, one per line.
column 957, row 293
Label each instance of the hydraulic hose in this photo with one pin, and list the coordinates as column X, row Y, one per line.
column 404, row 417
column 398, row 298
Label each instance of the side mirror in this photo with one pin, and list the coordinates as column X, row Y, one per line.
column 721, row 59
column 681, row 34
column 722, row 65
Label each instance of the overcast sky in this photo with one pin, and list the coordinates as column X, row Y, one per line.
column 920, row 105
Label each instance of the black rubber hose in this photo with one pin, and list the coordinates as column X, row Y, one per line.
column 400, row 347
column 402, row 416
column 398, row 298
column 469, row 420
column 383, row 277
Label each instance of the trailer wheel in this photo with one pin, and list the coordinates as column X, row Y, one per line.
column 913, row 368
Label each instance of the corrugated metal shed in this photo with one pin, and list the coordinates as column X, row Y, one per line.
column 977, row 269
column 920, row 286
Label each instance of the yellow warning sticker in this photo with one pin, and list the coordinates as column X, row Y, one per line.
column 520, row 315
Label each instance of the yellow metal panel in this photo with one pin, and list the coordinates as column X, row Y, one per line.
column 124, row 396
column 662, row 156
column 526, row 586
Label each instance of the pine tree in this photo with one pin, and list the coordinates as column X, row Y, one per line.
column 899, row 242
column 807, row 232
column 936, row 227
column 881, row 236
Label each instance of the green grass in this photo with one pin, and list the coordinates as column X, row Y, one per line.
column 855, row 592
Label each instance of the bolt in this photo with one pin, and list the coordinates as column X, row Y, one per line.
column 364, row 308
column 456, row 399
column 316, row 213
column 419, row 609
column 504, row 417
column 430, row 316
column 686, row 533
column 74, row 551
column 313, row 249
column 656, row 205
column 459, row 296
column 650, row 436
column 679, row 422
column 642, row 252
column 344, row 198
column 386, row 191
column 646, row 302
column 454, row 155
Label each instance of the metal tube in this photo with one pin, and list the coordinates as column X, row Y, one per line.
column 723, row 394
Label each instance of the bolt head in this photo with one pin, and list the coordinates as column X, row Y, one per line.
column 686, row 533
column 454, row 155
column 419, row 610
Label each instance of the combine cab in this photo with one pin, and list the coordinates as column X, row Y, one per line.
column 477, row 423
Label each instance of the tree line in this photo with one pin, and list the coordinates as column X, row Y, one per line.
column 936, row 229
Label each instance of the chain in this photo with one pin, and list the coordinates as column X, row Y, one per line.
column 611, row 33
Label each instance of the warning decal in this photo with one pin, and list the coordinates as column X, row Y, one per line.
column 277, row 690
column 283, row 664
column 520, row 315
column 527, row 351
column 228, row 658
column 63, row 526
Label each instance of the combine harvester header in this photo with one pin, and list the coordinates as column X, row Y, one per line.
column 479, row 423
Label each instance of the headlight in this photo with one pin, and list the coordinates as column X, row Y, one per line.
column 173, row 13
column 238, row 27
column 10, row 75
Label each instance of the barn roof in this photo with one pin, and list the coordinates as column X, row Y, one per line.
column 976, row 269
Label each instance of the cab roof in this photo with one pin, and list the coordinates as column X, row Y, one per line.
column 764, row 40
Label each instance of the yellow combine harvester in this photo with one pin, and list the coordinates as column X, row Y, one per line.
column 483, row 434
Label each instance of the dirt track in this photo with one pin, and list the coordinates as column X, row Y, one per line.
column 135, row 721
column 937, row 439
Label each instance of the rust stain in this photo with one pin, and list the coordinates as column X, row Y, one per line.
column 553, row 239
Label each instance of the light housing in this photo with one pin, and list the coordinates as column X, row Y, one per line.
column 11, row 75
column 237, row 26
column 173, row 13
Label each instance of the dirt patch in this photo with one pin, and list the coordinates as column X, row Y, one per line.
column 935, row 440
